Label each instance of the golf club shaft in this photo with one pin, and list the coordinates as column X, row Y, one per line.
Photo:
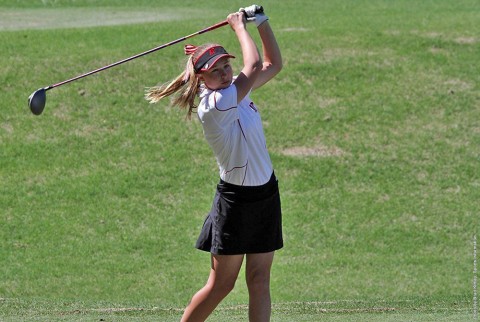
column 218, row 25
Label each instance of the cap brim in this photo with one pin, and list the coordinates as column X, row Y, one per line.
column 209, row 64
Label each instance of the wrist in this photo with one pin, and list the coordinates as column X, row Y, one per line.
column 260, row 19
column 241, row 29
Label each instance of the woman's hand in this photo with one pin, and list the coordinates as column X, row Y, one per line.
column 236, row 20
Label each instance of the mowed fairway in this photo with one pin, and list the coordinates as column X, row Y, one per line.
column 373, row 127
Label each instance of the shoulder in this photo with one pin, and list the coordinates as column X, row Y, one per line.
column 218, row 108
column 221, row 100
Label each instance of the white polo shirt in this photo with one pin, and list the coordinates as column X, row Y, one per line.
column 236, row 136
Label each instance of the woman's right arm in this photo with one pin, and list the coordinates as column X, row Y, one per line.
column 252, row 64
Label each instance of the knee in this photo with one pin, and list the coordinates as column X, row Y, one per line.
column 258, row 282
column 222, row 289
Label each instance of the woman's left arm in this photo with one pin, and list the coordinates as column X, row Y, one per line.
column 272, row 58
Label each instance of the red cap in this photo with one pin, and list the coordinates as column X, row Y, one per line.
column 209, row 57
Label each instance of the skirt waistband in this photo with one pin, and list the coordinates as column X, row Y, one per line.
column 248, row 193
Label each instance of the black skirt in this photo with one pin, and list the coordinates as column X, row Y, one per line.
column 243, row 220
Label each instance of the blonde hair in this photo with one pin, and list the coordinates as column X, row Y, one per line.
column 187, row 84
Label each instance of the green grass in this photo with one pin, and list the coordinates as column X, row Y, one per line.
column 408, row 310
column 372, row 127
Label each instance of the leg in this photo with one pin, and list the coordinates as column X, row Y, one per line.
column 258, row 282
column 221, row 281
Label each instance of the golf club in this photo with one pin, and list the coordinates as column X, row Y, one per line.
column 36, row 101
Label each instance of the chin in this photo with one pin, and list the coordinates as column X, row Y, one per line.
column 222, row 86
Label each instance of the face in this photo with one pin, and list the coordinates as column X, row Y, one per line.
column 219, row 76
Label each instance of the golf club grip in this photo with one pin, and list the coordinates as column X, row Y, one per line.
column 213, row 27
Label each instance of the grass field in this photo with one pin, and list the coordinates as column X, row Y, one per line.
column 373, row 128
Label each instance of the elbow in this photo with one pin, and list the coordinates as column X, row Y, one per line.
column 279, row 66
column 257, row 66
column 279, row 63
column 274, row 67
column 256, row 63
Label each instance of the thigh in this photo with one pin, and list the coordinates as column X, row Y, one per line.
column 225, row 268
column 259, row 265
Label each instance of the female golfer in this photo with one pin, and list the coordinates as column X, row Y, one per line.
column 245, row 219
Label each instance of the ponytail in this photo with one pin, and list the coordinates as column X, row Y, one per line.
column 187, row 85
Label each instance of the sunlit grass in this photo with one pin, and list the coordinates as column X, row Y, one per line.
column 372, row 127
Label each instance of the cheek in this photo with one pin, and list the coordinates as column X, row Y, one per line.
column 210, row 82
column 214, row 78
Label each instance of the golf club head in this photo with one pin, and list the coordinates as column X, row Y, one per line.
column 36, row 101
